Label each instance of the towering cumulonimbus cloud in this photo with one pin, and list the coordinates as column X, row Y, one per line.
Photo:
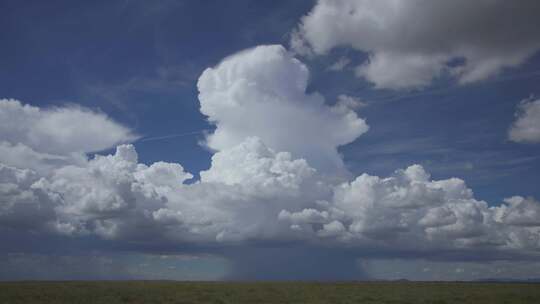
column 262, row 92
column 272, row 181
column 410, row 43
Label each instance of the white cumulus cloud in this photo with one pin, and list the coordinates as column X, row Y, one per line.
column 409, row 43
column 262, row 92
column 42, row 138
column 410, row 211
column 526, row 128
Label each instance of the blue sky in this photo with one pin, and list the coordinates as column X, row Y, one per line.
column 138, row 63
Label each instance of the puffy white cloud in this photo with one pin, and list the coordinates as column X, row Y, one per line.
column 437, row 217
column 22, row 156
column 23, row 206
column 519, row 211
column 410, row 43
column 526, row 128
column 54, row 135
column 399, row 71
column 252, row 164
column 163, row 176
column 253, row 178
column 115, row 197
column 37, row 143
column 332, row 229
column 409, row 211
column 261, row 92
column 306, row 216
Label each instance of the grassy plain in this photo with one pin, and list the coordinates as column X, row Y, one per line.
column 111, row 292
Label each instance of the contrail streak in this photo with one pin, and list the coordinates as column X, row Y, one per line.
column 170, row 136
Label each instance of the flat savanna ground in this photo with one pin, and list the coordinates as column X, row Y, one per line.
column 265, row 292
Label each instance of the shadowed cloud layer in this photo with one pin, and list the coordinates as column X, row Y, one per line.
column 411, row 43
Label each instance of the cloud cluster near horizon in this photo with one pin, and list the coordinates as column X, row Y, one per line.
column 411, row 43
column 276, row 176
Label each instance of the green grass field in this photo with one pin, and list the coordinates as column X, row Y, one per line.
column 282, row 292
